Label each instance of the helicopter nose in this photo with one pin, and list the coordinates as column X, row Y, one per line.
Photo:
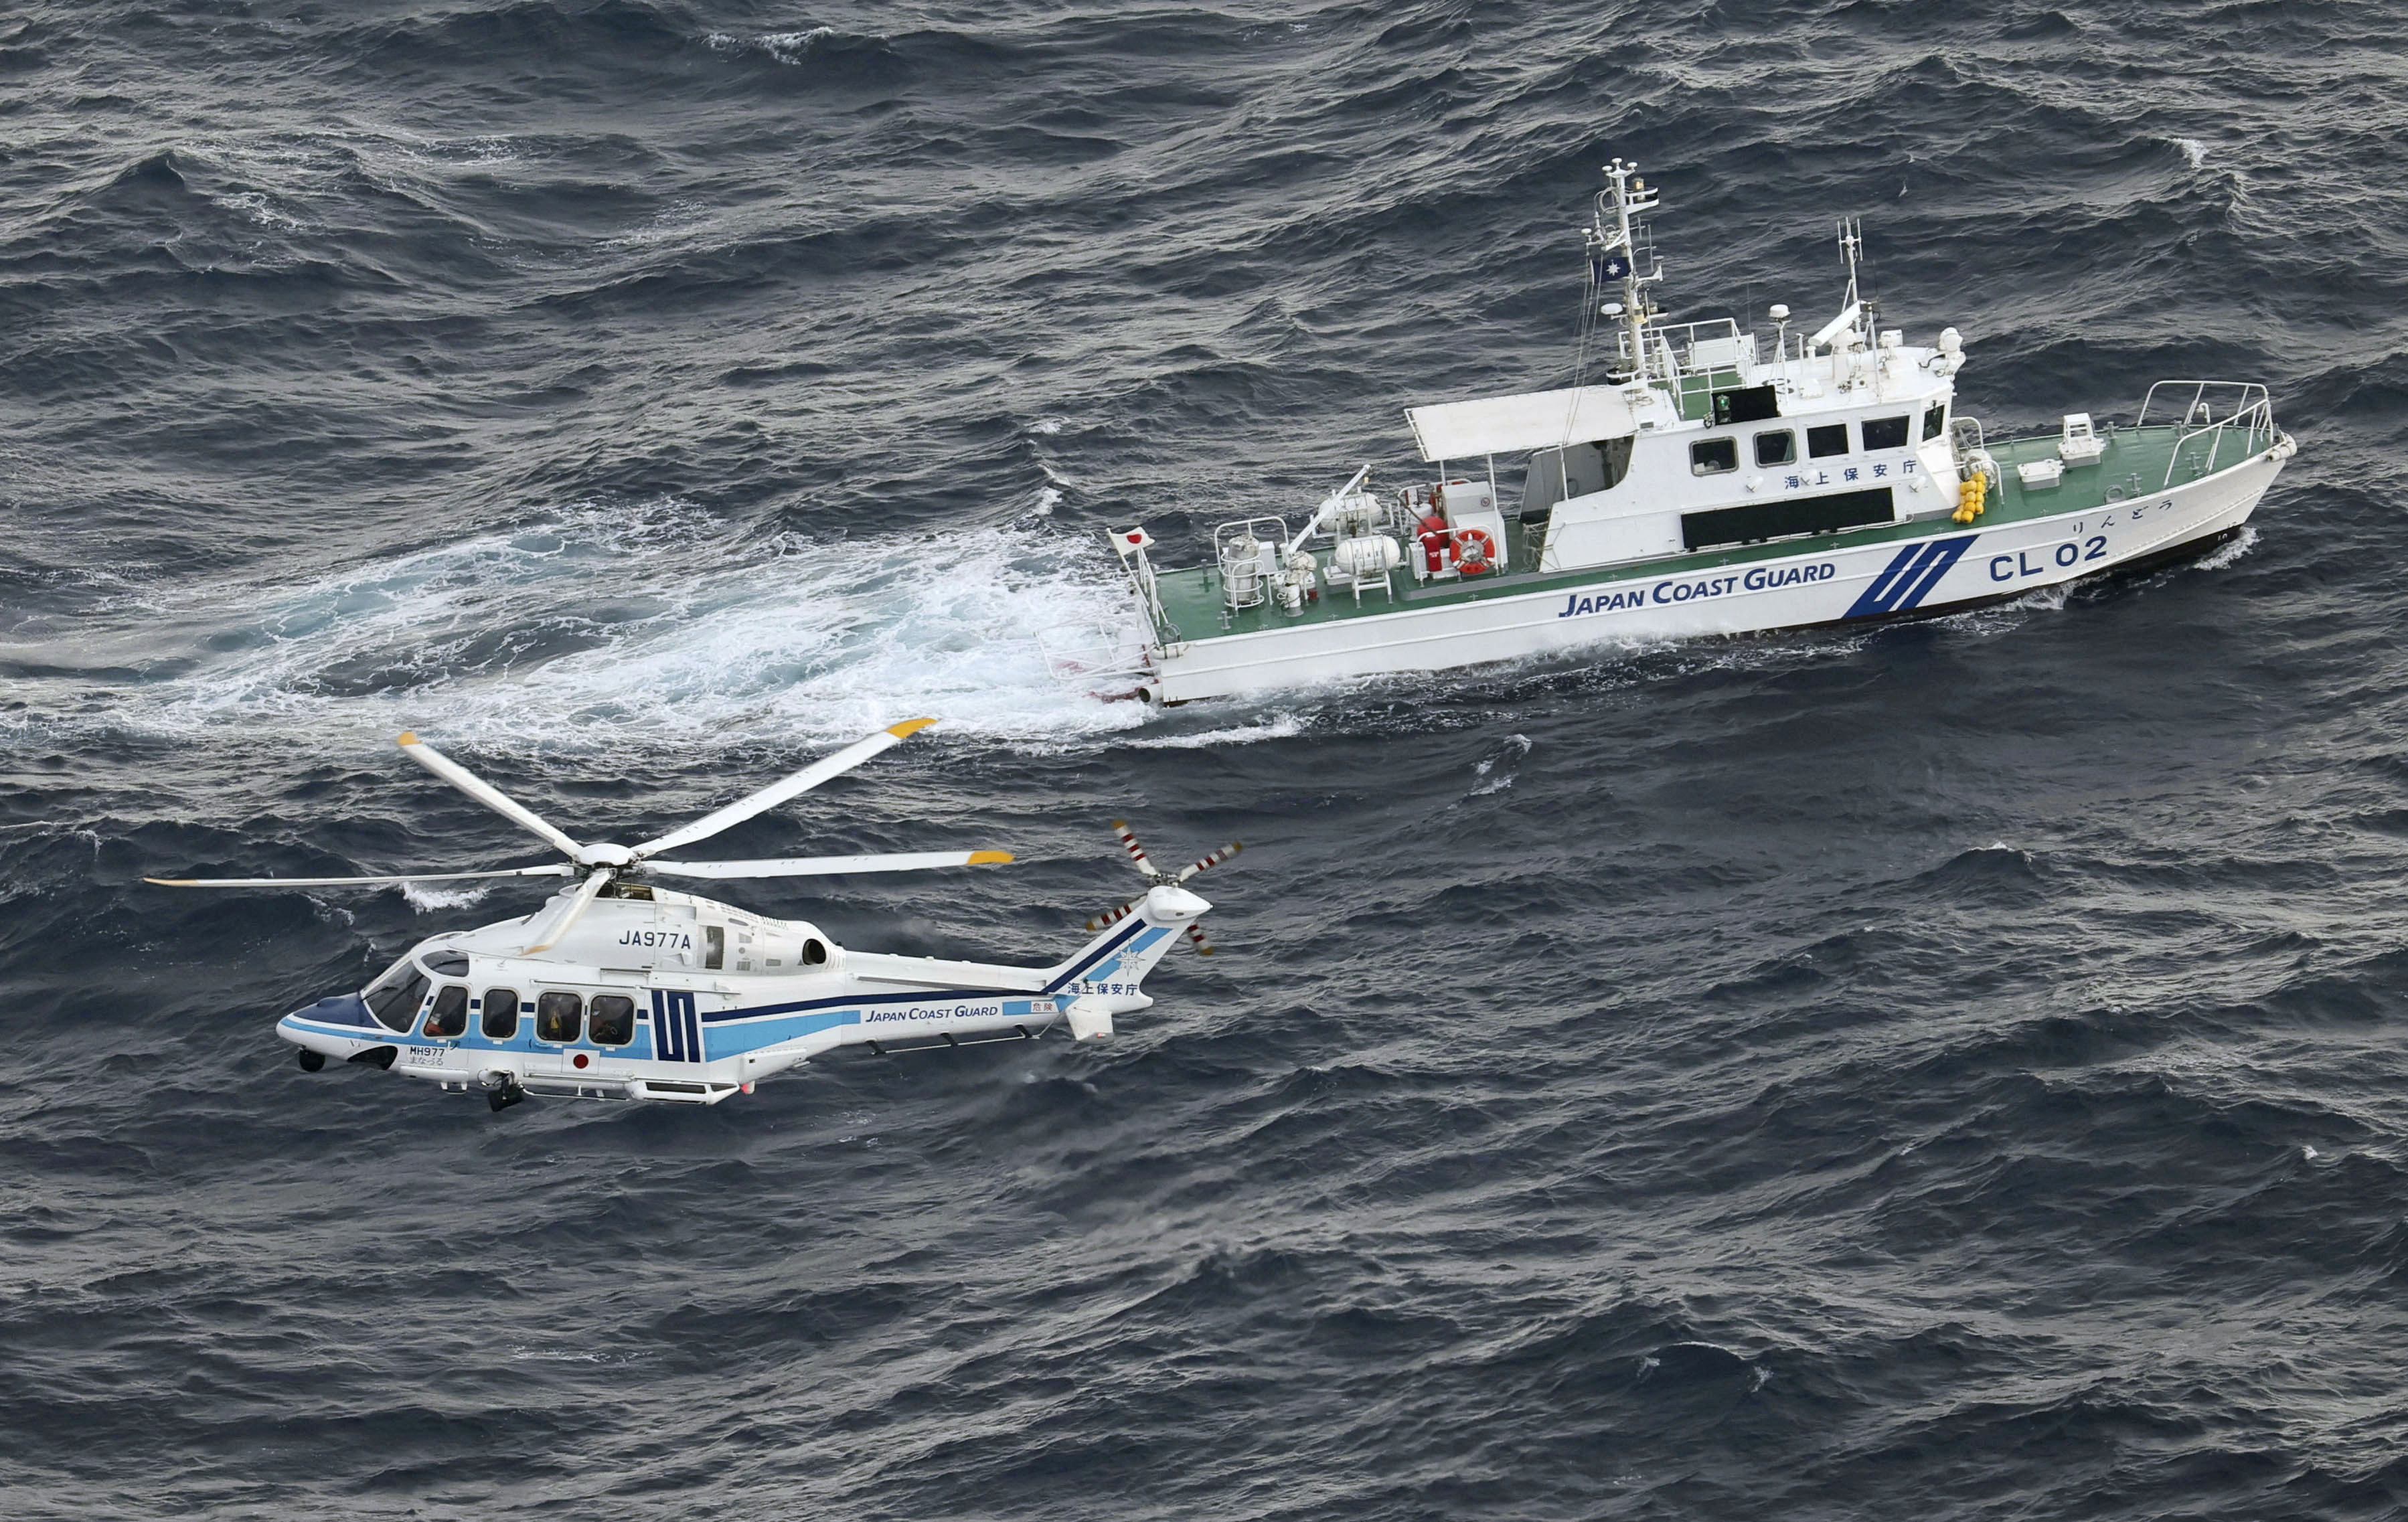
column 334, row 1009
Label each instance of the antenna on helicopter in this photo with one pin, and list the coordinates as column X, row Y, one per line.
column 604, row 862
column 1162, row 879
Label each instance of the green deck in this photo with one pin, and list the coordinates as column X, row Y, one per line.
column 2134, row 465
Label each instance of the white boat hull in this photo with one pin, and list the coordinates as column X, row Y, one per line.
column 1921, row 576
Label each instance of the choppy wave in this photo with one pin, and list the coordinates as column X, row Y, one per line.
column 1945, row 1069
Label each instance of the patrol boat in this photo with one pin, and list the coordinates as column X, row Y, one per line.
column 1711, row 484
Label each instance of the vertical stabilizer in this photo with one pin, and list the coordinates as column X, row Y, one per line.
column 1112, row 964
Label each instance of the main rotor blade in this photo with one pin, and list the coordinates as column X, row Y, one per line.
column 818, row 866
column 586, row 892
column 560, row 869
column 778, row 792
column 483, row 791
column 1136, row 852
column 1214, row 860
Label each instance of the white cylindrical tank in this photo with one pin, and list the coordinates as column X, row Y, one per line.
column 1367, row 555
column 1242, row 570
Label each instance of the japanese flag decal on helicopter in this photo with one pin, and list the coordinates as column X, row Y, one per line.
column 620, row 988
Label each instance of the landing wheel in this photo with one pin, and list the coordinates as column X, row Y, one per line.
column 310, row 1061
column 502, row 1099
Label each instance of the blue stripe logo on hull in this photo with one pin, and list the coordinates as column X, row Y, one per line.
column 1910, row 577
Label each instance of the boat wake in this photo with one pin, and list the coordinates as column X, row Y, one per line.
column 609, row 623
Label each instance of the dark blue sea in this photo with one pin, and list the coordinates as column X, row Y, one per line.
column 1950, row 1071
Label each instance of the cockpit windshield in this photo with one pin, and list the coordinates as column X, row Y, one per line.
column 393, row 998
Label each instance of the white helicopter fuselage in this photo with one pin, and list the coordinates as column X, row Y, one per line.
column 659, row 995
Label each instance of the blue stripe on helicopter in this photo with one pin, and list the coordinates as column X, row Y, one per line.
column 1077, row 971
column 1910, row 577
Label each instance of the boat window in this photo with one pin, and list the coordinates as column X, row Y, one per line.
column 1776, row 449
column 557, row 1016
column 393, row 999
column 1933, row 421
column 714, row 946
column 1822, row 443
column 1885, row 433
column 500, row 1022
column 1713, row 456
column 613, row 1022
column 449, row 1015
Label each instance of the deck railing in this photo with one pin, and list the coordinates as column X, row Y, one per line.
column 1678, row 351
column 2247, row 420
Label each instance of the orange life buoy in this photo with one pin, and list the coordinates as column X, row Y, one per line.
column 1475, row 552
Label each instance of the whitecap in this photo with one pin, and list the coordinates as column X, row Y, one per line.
column 1281, row 727
column 430, row 898
column 1495, row 773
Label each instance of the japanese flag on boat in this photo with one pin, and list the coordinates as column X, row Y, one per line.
column 1130, row 540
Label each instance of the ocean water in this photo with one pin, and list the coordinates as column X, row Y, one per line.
column 1949, row 1071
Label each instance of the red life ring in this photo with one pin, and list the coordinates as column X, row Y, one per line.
column 1475, row 552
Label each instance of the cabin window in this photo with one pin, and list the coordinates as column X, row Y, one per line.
column 557, row 1016
column 1933, row 421
column 1713, row 456
column 714, row 946
column 1776, row 449
column 1885, row 433
column 393, row 999
column 448, row 965
column 500, row 1022
column 449, row 1015
column 1822, row 443
column 613, row 1019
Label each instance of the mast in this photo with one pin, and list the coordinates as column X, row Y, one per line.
column 1852, row 246
column 1614, row 253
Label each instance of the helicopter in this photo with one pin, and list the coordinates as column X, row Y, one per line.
column 620, row 988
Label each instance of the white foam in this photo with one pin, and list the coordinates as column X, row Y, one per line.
column 1494, row 774
column 1278, row 728
column 2193, row 149
column 785, row 47
column 2240, row 545
column 432, row 898
column 612, row 624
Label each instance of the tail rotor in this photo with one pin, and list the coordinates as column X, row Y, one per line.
column 1158, row 879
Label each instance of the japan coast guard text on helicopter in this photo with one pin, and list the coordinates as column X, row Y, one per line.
column 620, row 990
